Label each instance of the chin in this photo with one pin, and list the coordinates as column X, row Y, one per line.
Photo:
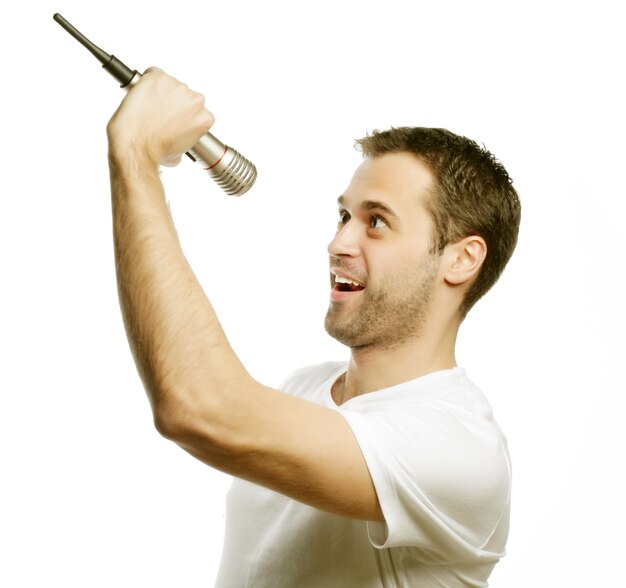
column 349, row 334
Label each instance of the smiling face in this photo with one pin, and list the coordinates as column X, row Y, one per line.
column 382, row 270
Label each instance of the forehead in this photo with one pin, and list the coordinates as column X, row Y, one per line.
column 401, row 180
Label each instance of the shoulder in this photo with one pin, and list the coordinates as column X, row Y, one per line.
column 440, row 426
column 434, row 453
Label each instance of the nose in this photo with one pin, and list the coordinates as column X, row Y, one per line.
column 345, row 242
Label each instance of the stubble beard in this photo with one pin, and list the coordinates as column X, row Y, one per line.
column 388, row 316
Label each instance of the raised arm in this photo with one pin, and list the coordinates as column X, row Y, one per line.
column 201, row 395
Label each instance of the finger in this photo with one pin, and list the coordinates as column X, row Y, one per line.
column 153, row 69
column 170, row 160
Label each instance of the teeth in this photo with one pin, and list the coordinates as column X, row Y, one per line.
column 341, row 280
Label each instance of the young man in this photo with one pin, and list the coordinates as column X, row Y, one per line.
column 386, row 471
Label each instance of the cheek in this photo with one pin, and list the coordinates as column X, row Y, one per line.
column 397, row 258
column 403, row 271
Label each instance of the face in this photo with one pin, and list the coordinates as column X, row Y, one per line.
column 382, row 271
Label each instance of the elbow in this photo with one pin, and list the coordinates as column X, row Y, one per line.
column 173, row 413
column 167, row 422
column 171, row 407
column 203, row 420
column 193, row 426
column 201, row 437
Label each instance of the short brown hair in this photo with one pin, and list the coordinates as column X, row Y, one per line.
column 473, row 195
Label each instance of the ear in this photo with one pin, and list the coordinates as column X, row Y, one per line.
column 464, row 259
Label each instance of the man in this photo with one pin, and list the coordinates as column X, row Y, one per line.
column 385, row 471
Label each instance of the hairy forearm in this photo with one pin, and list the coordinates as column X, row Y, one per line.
column 180, row 349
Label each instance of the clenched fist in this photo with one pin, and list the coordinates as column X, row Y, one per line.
column 159, row 119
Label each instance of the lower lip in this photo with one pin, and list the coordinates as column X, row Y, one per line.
column 340, row 295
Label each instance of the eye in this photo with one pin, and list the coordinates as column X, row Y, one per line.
column 344, row 217
column 377, row 222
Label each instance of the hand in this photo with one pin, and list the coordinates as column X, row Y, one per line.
column 159, row 119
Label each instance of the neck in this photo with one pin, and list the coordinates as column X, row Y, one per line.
column 373, row 369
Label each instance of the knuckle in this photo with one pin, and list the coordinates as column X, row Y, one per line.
column 209, row 118
column 153, row 71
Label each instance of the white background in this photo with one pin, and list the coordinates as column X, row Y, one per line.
column 90, row 494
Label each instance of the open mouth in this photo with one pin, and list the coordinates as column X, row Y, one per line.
column 346, row 285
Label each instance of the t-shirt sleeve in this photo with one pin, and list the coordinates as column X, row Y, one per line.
column 442, row 479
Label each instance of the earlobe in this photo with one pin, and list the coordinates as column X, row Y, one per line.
column 465, row 259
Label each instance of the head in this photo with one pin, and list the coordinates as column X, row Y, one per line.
column 423, row 200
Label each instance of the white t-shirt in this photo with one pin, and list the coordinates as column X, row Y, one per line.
column 441, row 469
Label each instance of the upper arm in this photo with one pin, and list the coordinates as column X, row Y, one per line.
column 295, row 447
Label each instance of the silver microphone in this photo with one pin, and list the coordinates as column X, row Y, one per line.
column 232, row 171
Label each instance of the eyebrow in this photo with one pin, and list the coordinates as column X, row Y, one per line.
column 372, row 205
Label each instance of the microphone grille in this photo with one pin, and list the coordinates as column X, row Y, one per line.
column 234, row 173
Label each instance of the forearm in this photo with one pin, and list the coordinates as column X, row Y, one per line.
column 180, row 349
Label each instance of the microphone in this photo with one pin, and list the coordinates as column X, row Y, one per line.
column 231, row 170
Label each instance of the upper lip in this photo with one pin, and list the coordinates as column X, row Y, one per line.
column 346, row 276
